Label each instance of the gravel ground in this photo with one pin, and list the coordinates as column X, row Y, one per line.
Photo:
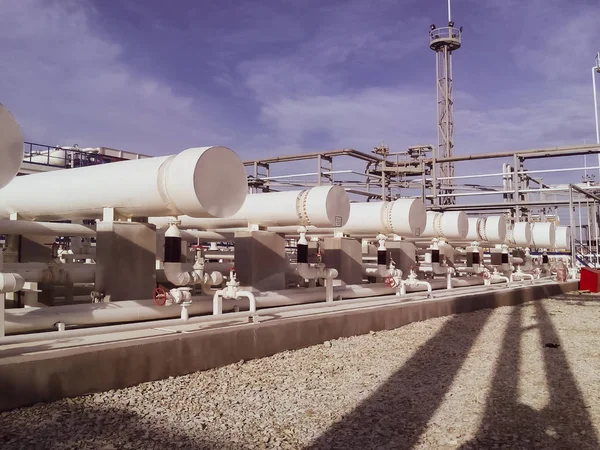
column 478, row 380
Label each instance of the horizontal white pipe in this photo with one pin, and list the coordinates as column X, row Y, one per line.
column 166, row 323
column 45, row 228
column 187, row 183
column 323, row 206
column 34, row 319
column 53, row 273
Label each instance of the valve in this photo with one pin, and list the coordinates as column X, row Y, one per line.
column 160, row 296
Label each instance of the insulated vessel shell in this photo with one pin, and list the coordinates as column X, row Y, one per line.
column 11, row 147
column 543, row 235
column 487, row 229
column 518, row 234
column 404, row 217
column 449, row 225
column 562, row 238
column 321, row 206
column 200, row 182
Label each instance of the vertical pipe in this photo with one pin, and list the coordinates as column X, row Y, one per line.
column 2, row 299
column 594, row 69
column 449, row 15
column 571, row 222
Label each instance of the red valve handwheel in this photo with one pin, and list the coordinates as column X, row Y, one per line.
column 159, row 296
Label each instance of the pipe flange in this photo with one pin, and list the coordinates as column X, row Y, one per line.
column 437, row 224
column 482, row 231
column 301, row 211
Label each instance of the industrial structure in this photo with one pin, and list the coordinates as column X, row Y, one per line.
column 199, row 240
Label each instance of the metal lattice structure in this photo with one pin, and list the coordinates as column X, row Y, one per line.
column 444, row 41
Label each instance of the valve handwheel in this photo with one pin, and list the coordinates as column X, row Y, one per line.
column 159, row 296
column 390, row 282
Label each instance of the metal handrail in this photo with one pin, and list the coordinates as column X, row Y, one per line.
column 60, row 157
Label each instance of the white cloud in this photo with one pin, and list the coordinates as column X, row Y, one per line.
column 66, row 84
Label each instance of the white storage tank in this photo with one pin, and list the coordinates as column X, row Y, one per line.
column 449, row 225
column 11, row 147
column 200, row 182
column 543, row 235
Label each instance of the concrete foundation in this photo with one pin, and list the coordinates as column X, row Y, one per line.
column 45, row 371
column 260, row 261
column 125, row 260
column 344, row 255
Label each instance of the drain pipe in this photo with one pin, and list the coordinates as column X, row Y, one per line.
column 172, row 267
column 232, row 291
column 413, row 281
column 520, row 275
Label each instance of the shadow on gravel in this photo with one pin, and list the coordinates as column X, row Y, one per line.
column 397, row 413
column 69, row 425
column 563, row 424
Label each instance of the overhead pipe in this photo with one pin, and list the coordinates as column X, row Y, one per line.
column 188, row 183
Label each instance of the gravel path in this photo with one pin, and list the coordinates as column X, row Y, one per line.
column 478, row 380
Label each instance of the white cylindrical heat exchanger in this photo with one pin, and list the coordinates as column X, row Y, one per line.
column 518, row 234
column 11, row 147
column 449, row 225
column 321, row 206
column 200, row 182
column 562, row 238
column 404, row 217
column 487, row 229
column 543, row 235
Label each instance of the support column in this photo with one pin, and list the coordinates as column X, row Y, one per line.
column 125, row 260
column 260, row 261
column 345, row 255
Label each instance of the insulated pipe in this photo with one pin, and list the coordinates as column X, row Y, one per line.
column 518, row 234
column 487, row 229
column 56, row 273
column 45, row 228
column 449, row 225
column 543, row 235
column 405, row 217
column 24, row 320
column 321, row 206
column 190, row 182
column 562, row 238
column 11, row 147
column 172, row 267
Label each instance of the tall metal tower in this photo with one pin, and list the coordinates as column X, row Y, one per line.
column 444, row 41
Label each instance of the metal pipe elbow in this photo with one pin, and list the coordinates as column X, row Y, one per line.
column 176, row 275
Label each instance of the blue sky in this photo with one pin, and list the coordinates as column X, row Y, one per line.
column 282, row 76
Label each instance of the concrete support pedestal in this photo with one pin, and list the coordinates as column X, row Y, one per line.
column 344, row 255
column 125, row 260
column 260, row 261
column 404, row 255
